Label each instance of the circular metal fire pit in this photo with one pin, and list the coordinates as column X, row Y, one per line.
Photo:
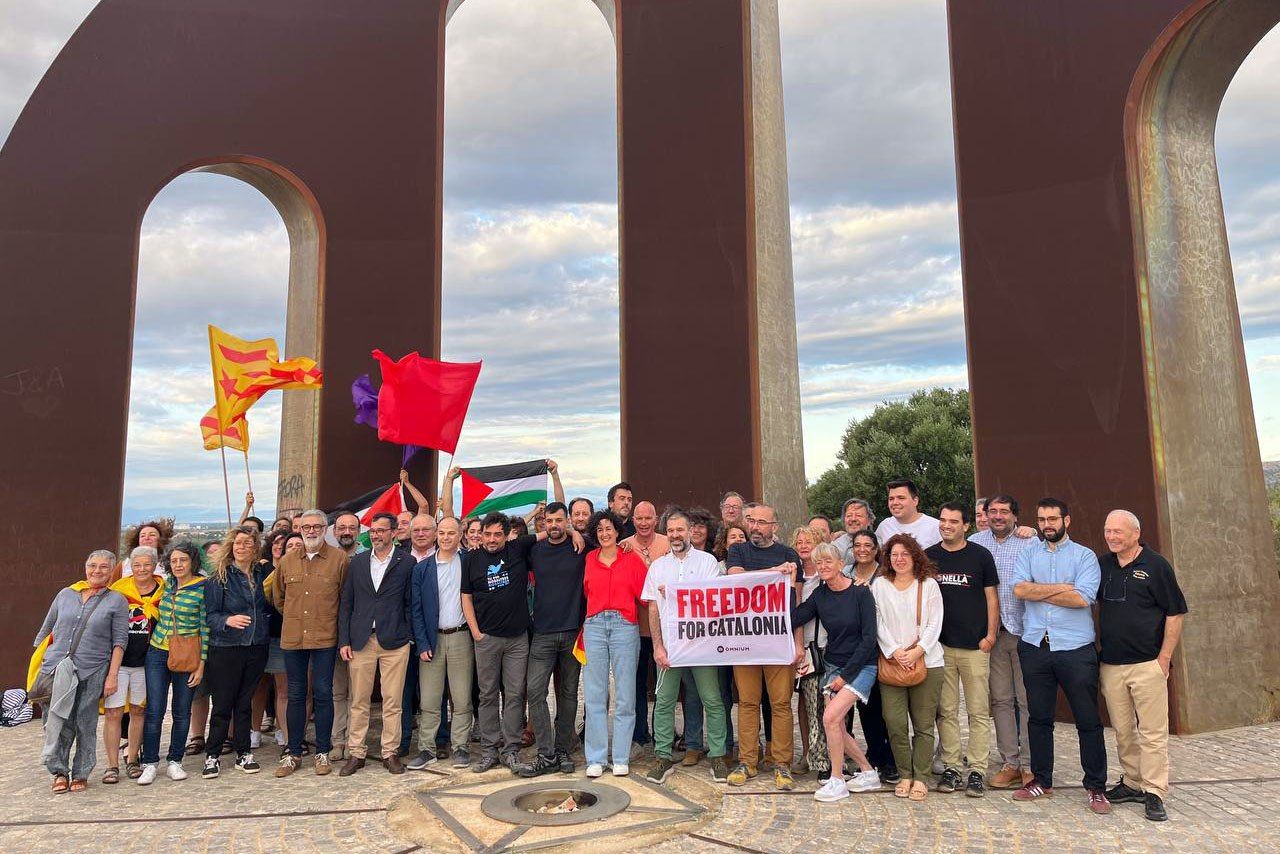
column 520, row 804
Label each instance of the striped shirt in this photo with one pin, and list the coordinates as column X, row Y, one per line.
column 1006, row 556
column 188, row 601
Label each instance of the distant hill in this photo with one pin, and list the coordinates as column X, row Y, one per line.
column 1271, row 473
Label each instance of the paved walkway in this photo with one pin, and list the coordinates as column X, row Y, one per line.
column 1226, row 797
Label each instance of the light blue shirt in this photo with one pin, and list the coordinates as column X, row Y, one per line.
column 1006, row 556
column 1068, row 563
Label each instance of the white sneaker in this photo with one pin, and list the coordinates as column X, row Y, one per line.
column 255, row 740
column 175, row 772
column 595, row 769
column 864, row 781
column 281, row 741
column 148, row 775
column 621, row 769
column 833, row 790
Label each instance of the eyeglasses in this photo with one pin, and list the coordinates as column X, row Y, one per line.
column 311, row 528
column 1110, row 594
column 379, row 530
column 760, row 523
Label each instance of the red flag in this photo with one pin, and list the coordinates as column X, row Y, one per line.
column 390, row 501
column 423, row 401
column 474, row 491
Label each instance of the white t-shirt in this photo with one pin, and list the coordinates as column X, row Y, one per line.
column 924, row 529
column 668, row 570
column 449, row 585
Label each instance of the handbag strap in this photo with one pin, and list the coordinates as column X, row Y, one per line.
column 919, row 602
column 75, row 641
column 173, row 606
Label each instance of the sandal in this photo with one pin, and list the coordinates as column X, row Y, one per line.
column 60, row 784
column 903, row 789
column 132, row 770
column 111, row 775
column 79, row 785
column 195, row 745
column 919, row 790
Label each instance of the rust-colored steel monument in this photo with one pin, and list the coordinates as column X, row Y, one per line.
column 1104, row 346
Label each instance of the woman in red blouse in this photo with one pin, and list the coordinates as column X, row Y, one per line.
column 611, row 635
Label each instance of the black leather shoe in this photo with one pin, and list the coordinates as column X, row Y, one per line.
column 1155, row 808
column 353, row 765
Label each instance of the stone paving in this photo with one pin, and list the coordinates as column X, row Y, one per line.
column 1226, row 796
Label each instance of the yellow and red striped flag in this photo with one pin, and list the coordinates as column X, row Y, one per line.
column 235, row 437
column 243, row 371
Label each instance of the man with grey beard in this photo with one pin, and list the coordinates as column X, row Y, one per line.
column 305, row 589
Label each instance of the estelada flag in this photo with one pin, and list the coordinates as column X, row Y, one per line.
column 424, row 401
column 243, row 371
column 235, row 437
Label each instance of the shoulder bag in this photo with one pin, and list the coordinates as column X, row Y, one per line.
column 890, row 672
column 184, row 650
column 42, row 691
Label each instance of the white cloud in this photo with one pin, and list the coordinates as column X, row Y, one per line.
column 531, row 231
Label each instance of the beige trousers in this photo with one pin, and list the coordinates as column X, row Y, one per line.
column 1138, row 701
column 968, row 669
column 341, row 705
column 366, row 662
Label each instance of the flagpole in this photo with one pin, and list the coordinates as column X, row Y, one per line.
column 247, row 477
column 226, row 484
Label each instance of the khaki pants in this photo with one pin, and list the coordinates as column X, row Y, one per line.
column 365, row 663
column 455, row 658
column 1138, row 701
column 968, row 669
column 341, row 704
column 778, row 680
column 1012, row 739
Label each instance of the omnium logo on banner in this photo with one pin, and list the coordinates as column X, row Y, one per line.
column 733, row 619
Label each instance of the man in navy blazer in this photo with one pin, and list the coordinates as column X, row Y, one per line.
column 444, row 646
column 374, row 630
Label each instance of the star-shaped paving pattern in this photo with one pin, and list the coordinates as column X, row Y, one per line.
column 457, row 807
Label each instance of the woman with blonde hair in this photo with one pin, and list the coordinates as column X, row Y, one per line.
column 238, row 615
column 812, row 739
column 848, row 667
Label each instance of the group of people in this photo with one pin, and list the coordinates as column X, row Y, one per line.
column 478, row 622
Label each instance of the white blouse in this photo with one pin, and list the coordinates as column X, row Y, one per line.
column 896, row 619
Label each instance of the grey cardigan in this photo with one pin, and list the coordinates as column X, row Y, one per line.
column 108, row 628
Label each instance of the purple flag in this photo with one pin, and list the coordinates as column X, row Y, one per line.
column 365, row 398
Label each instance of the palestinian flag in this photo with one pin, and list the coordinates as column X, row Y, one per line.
column 384, row 499
column 503, row 488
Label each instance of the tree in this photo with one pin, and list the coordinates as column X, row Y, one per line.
column 926, row 438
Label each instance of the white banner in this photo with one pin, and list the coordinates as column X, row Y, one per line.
column 734, row 619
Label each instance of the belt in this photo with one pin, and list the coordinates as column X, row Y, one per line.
column 1044, row 643
column 452, row 630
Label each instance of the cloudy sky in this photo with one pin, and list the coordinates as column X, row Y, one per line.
column 531, row 209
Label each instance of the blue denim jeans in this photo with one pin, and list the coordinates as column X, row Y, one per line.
column 159, row 680
column 321, row 663
column 613, row 646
